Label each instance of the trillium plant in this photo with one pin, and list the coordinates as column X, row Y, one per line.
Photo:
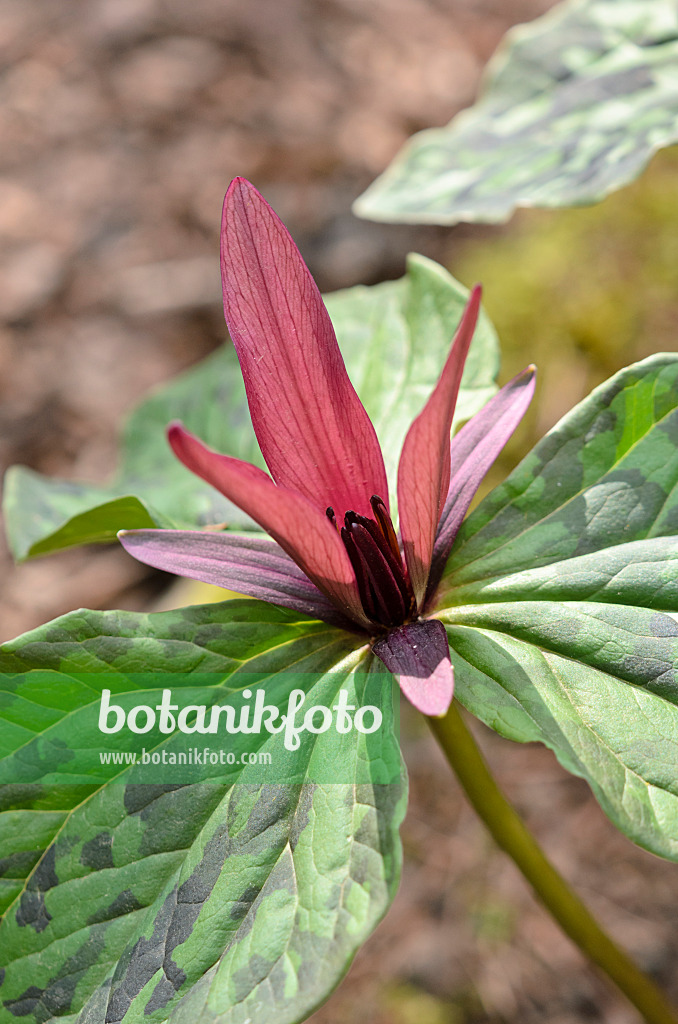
column 200, row 808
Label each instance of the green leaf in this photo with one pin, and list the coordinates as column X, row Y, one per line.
column 227, row 894
column 606, row 474
column 573, row 107
column 395, row 338
column 30, row 502
column 561, row 600
column 24, row 838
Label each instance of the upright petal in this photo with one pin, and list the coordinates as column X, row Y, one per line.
column 313, row 431
column 300, row 529
column 424, row 468
column 251, row 565
column 418, row 655
column 472, row 452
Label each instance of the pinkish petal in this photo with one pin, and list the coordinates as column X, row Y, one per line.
column 312, row 429
column 418, row 655
column 424, row 469
column 472, row 452
column 301, row 530
column 255, row 566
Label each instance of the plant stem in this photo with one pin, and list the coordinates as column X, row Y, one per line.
column 512, row 835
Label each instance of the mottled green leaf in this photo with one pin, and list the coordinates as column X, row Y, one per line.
column 24, row 837
column 573, row 107
column 228, row 898
column 606, row 474
column 394, row 338
column 561, row 600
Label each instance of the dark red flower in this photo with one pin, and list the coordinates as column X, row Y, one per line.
column 333, row 552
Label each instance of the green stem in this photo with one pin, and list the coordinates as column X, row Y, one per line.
column 512, row 835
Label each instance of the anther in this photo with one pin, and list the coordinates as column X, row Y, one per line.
column 384, row 521
column 383, row 583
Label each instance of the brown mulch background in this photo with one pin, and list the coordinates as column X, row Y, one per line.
column 122, row 122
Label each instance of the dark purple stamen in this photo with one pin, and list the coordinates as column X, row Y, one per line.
column 384, row 520
column 367, row 596
column 383, row 583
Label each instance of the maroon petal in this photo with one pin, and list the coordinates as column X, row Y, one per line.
column 305, row 534
column 418, row 655
column 424, row 469
column 255, row 566
column 472, row 452
column 312, row 429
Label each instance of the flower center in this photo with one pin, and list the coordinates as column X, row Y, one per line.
column 383, row 583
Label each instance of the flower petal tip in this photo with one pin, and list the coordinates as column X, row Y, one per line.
column 431, row 696
column 175, row 432
column 183, row 443
column 238, row 189
column 240, row 182
column 526, row 376
column 175, row 427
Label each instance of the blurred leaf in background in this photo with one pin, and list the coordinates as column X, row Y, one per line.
column 574, row 106
column 580, row 292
